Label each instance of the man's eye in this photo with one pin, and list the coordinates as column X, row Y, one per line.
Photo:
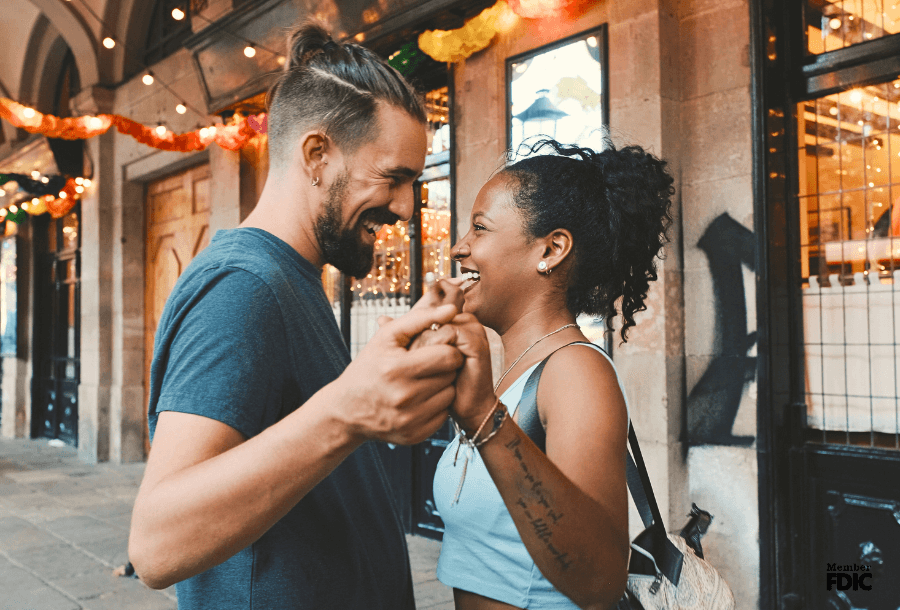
column 479, row 227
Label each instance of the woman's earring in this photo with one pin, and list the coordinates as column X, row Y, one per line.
column 542, row 267
column 316, row 181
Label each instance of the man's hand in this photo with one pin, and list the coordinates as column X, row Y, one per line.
column 400, row 396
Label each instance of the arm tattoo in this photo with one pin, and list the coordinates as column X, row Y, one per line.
column 536, row 499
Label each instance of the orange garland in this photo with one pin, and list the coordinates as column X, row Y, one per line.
column 229, row 137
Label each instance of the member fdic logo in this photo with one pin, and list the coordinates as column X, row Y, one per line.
column 848, row 577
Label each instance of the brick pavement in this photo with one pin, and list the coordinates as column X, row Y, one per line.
column 64, row 528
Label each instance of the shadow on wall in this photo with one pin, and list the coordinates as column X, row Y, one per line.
column 713, row 403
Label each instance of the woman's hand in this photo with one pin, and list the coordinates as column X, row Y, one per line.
column 474, row 384
column 441, row 292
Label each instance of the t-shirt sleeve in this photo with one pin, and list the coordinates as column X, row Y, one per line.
column 227, row 354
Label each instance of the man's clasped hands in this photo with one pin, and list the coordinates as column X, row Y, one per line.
column 420, row 368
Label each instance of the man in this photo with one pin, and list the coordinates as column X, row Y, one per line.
column 261, row 490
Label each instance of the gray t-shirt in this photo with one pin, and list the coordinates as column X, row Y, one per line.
column 246, row 337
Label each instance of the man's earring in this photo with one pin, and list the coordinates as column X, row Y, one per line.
column 316, row 181
column 542, row 266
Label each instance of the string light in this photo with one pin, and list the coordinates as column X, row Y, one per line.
column 2, row 193
column 835, row 23
column 86, row 183
column 109, row 43
column 28, row 113
column 79, row 181
column 250, row 51
column 95, row 122
column 161, row 130
column 181, row 108
column 3, row 213
column 177, row 14
column 35, row 174
column 25, row 206
column 45, row 179
column 148, row 78
column 13, row 209
column 63, row 195
column 79, row 189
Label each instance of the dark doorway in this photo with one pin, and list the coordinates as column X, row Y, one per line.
column 57, row 327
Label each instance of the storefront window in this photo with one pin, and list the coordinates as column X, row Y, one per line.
column 559, row 91
column 849, row 220
column 836, row 24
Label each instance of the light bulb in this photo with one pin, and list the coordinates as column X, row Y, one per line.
column 25, row 206
column 45, row 179
column 148, row 79
column 79, row 189
column 250, row 51
column 62, row 195
column 79, row 180
column 35, row 175
column 835, row 23
column 86, row 183
column 212, row 130
column 177, row 14
column 109, row 42
column 2, row 193
column 13, row 209
column 3, row 213
column 161, row 130
column 35, row 201
column 856, row 96
column 95, row 122
column 28, row 113
column 180, row 108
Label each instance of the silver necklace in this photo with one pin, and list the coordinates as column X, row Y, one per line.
column 513, row 365
column 470, row 444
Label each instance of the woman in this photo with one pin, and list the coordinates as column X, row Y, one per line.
column 551, row 237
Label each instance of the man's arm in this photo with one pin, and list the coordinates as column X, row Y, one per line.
column 207, row 492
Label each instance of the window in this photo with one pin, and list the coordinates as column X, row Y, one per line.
column 836, row 24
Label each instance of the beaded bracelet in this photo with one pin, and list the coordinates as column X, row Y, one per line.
column 472, row 443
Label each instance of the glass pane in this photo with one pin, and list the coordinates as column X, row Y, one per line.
column 70, row 231
column 71, row 323
column 849, row 248
column 835, row 24
column 436, row 228
column 437, row 104
column 558, row 92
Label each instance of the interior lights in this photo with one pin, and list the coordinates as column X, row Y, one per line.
column 109, row 43
column 856, row 96
column 3, row 213
column 35, row 201
column 62, row 195
column 95, row 122
column 177, row 14
column 25, row 206
column 148, row 78
column 2, row 193
column 181, row 108
column 28, row 113
column 161, row 130
column 79, row 180
column 250, row 51
column 13, row 209
column 79, row 189
column 35, row 174
column 835, row 23
column 86, row 183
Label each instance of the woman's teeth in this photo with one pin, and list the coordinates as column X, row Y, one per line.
column 472, row 275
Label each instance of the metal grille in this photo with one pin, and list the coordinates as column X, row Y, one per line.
column 849, row 217
column 836, row 24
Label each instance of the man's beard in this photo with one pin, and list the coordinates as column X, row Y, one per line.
column 342, row 248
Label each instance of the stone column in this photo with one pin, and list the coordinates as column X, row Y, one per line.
column 17, row 370
column 96, row 285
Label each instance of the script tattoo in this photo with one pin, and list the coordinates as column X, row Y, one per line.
column 537, row 506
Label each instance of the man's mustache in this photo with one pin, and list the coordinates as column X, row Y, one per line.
column 381, row 217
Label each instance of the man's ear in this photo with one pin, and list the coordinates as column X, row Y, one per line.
column 313, row 152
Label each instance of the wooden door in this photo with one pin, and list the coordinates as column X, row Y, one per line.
column 177, row 230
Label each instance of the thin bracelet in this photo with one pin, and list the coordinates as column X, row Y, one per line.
column 470, row 446
column 500, row 416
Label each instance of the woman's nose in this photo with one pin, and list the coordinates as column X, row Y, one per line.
column 457, row 252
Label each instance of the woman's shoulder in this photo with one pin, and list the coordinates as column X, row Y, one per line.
column 577, row 378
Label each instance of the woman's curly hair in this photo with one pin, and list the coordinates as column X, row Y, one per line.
column 615, row 203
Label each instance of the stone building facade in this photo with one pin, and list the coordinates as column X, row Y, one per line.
column 693, row 81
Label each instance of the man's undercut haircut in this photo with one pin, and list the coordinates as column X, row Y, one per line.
column 334, row 87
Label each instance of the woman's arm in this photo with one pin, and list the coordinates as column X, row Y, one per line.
column 570, row 504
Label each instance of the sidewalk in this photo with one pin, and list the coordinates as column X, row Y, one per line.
column 64, row 528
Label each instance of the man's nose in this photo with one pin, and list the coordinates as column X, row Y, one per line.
column 403, row 204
